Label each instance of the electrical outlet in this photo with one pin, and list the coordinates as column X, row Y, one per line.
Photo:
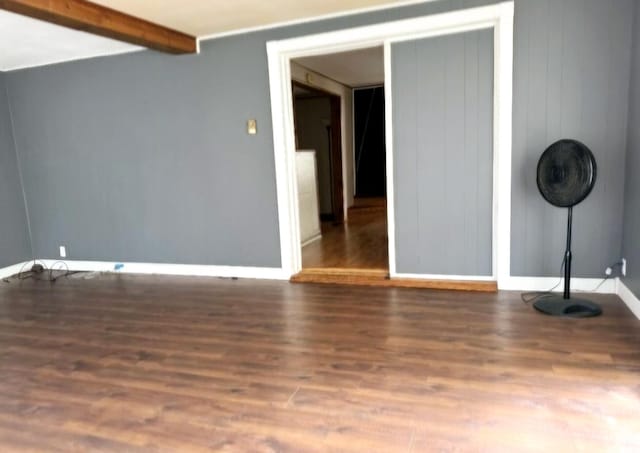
column 63, row 251
column 624, row 267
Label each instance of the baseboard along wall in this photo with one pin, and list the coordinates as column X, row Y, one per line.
column 611, row 286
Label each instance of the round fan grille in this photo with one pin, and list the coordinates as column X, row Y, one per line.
column 566, row 173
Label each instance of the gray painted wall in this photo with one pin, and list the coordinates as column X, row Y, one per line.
column 571, row 79
column 631, row 241
column 14, row 237
column 312, row 117
column 443, row 127
column 144, row 157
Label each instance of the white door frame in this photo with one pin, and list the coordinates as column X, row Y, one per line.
column 498, row 17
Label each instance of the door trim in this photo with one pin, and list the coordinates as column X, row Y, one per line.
column 498, row 17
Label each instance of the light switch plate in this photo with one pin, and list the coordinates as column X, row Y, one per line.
column 252, row 127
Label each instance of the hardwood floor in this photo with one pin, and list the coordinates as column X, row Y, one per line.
column 144, row 363
column 361, row 243
column 367, row 277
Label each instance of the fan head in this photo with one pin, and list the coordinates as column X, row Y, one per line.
column 566, row 173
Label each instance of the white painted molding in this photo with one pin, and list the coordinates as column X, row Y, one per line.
column 267, row 273
column 388, row 137
column 315, row 238
column 628, row 297
column 464, row 278
column 546, row 283
column 15, row 269
column 279, row 54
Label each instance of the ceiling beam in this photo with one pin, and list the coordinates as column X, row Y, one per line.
column 100, row 20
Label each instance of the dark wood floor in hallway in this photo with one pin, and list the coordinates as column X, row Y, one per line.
column 360, row 243
column 132, row 363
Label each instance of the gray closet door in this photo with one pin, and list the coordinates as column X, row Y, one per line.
column 443, row 154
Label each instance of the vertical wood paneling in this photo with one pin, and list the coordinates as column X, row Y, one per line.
column 484, row 154
column 572, row 63
column 14, row 238
column 406, row 168
column 442, row 114
column 631, row 241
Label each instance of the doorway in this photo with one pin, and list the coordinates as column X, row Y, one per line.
column 497, row 18
column 352, row 233
column 317, row 123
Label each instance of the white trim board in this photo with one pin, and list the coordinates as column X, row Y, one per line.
column 14, row 269
column 463, row 278
column 546, row 283
column 499, row 17
column 266, row 273
column 628, row 297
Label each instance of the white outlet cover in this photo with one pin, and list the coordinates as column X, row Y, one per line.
column 63, row 251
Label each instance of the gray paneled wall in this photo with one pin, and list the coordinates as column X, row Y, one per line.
column 631, row 242
column 443, row 155
column 571, row 79
column 14, row 238
column 313, row 116
column 144, row 157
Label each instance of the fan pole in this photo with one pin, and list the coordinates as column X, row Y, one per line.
column 567, row 257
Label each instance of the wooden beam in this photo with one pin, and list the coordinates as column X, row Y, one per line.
column 100, row 20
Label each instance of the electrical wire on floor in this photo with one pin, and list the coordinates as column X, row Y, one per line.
column 40, row 272
column 535, row 295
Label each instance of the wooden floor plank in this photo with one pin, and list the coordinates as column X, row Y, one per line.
column 145, row 363
column 359, row 243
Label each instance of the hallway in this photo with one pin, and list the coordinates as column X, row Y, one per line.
column 360, row 243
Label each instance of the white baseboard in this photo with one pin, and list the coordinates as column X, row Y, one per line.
column 546, row 283
column 267, row 273
column 10, row 271
column 612, row 286
column 311, row 240
column 630, row 299
column 464, row 278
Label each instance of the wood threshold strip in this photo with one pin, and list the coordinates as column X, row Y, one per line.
column 380, row 277
column 100, row 20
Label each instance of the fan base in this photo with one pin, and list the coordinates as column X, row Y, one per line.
column 571, row 308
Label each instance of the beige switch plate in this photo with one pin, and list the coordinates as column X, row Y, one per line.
column 252, row 127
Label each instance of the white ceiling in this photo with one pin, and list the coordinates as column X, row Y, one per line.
column 211, row 17
column 355, row 68
column 26, row 42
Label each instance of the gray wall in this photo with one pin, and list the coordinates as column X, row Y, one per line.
column 144, row 156
column 571, row 79
column 14, row 237
column 443, row 126
column 631, row 241
column 312, row 117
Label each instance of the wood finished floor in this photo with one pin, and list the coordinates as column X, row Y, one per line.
column 361, row 243
column 132, row 363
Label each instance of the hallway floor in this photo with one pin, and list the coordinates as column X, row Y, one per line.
column 361, row 243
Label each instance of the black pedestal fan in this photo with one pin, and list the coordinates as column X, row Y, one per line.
column 566, row 175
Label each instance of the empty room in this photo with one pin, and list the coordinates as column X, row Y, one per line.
column 362, row 226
